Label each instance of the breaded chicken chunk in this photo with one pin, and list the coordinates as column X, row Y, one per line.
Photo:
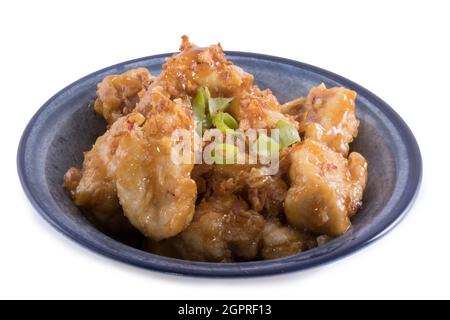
column 94, row 186
column 157, row 194
column 326, row 188
column 130, row 166
column 331, row 117
column 258, row 109
column 117, row 95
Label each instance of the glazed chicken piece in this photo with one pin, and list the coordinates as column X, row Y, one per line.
column 194, row 67
column 131, row 163
column 94, row 186
column 184, row 73
column 224, row 229
column 157, row 195
column 258, row 109
column 117, row 95
column 326, row 188
column 283, row 240
column 330, row 117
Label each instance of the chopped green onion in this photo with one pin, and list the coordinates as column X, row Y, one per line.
column 205, row 108
column 288, row 133
column 206, row 93
column 199, row 105
column 216, row 105
column 207, row 123
column 224, row 153
column 224, row 121
column 265, row 145
column 199, row 110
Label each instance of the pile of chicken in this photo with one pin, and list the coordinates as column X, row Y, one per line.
column 218, row 212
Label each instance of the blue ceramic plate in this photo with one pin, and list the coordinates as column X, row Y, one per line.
column 66, row 125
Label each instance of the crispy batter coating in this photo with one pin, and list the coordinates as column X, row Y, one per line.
column 326, row 188
column 94, row 186
column 157, row 195
column 258, row 109
column 194, row 67
column 184, row 73
column 130, row 167
column 117, row 95
column 330, row 117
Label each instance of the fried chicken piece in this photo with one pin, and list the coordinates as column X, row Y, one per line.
column 326, row 188
column 131, row 163
column 194, row 67
column 94, row 188
column 117, row 95
column 281, row 241
column 257, row 109
column 330, row 117
column 157, row 195
column 184, row 73
column 223, row 230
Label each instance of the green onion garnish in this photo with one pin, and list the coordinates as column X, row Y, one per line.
column 216, row 105
column 207, row 123
column 288, row 133
column 199, row 110
column 199, row 105
column 205, row 108
column 224, row 121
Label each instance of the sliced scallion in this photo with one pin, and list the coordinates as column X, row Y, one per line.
column 288, row 133
column 199, row 110
column 224, row 121
column 216, row 105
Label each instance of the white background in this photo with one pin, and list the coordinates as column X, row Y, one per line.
column 397, row 49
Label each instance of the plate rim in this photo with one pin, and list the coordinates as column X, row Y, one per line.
column 244, row 269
